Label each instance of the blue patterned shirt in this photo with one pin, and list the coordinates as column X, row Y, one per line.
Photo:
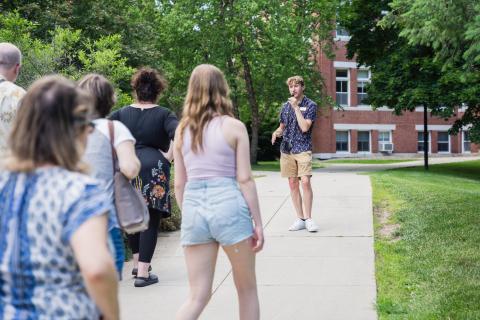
column 300, row 142
column 39, row 213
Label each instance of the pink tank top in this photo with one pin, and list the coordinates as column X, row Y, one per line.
column 216, row 159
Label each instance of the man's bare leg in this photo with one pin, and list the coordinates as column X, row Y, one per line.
column 296, row 197
column 310, row 225
column 307, row 197
column 299, row 223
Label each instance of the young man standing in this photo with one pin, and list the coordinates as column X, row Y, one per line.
column 10, row 93
column 296, row 120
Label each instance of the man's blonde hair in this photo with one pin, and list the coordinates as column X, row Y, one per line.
column 295, row 80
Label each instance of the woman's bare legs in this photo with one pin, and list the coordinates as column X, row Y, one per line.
column 242, row 259
column 201, row 260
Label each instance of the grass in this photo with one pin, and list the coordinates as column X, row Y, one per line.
column 427, row 242
column 275, row 165
column 369, row 161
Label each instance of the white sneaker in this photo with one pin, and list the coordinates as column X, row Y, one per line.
column 311, row 225
column 299, row 224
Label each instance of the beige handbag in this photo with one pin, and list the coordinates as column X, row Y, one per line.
column 132, row 211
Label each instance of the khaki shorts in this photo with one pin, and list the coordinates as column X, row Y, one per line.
column 296, row 164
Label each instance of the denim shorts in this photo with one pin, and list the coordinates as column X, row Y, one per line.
column 214, row 210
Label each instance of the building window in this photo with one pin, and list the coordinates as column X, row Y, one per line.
column 443, row 142
column 384, row 136
column 342, row 141
column 421, row 143
column 466, row 142
column 363, row 78
column 342, row 87
column 363, row 141
column 341, row 32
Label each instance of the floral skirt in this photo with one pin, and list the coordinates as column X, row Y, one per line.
column 154, row 180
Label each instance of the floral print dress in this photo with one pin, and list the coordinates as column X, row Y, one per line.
column 153, row 129
column 157, row 189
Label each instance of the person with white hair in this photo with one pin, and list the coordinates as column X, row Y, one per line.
column 10, row 93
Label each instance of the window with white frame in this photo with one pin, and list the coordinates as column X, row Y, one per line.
column 341, row 32
column 421, row 143
column 385, row 136
column 363, row 78
column 443, row 142
column 363, row 141
column 342, row 87
column 341, row 139
column 466, row 142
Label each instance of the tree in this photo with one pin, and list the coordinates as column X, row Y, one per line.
column 258, row 44
column 404, row 76
column 451, row 30
column 67, row 53
column 134, row 20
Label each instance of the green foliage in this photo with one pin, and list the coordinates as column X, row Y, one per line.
column 67, row 53
column 134, row 20
column 38, row 58
column 257, row 42
column 258, row 45
column 403, row 77
column 422, row 53
column 123, row 99
column 369, row 41
column 103, row 56
column 430, row 269
column 451, row 29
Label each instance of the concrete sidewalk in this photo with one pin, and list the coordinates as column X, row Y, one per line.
column 325, row 275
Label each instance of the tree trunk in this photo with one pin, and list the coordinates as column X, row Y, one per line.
column 252, row 101
column 230, row 66
column 233, row 84
column 426, row 143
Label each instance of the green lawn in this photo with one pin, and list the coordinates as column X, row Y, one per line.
column 370, row 161
column 275, row 165
column 427, row 242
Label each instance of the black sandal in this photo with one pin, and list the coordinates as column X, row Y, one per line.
column 135, row 270
column 143, row 282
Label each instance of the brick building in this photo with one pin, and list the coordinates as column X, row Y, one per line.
column 356, row 130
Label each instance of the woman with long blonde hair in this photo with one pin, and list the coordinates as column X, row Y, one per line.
column 216, row 193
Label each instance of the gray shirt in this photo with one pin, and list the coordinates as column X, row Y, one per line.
column 99, row 156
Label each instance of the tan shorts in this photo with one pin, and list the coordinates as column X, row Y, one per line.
column 296, row 164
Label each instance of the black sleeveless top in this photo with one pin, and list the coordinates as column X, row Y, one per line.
column 153, row 128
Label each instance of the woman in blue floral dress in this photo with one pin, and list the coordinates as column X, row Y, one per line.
column 153, row 127
column 54, row 259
